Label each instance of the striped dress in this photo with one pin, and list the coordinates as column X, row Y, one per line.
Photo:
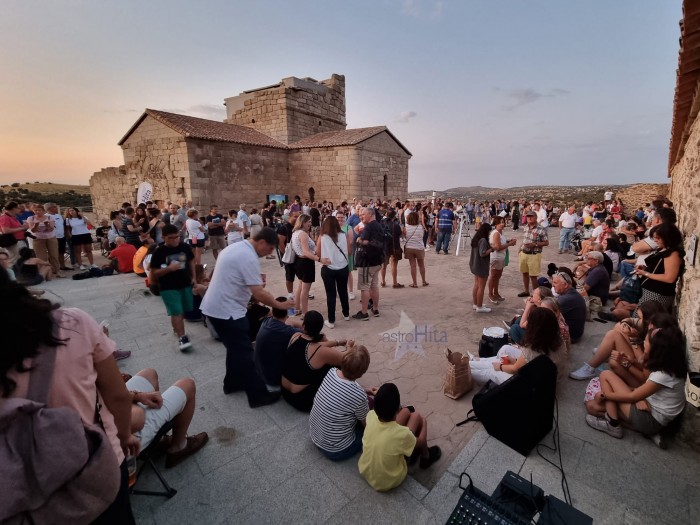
column 338, row 405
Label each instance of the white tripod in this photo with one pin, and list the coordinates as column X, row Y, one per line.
column 462, row 234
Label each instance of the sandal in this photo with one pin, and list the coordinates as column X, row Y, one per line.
column 413, row 285
column 383, row 284
column 426, row 284
column 398, row 285
column 434, row 453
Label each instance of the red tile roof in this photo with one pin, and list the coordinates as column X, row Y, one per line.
column 686, row 104
column 199, row 128
column 348, row 137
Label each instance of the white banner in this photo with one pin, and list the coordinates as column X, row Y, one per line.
column 145, row 193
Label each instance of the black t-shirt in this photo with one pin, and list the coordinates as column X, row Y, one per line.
column 373, row 253
column 285, row 229
column 315, row 217
column 216, row 219
column 163, row 256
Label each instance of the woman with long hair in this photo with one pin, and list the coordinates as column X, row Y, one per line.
column 347, row 230
column 541, row 338
column 80, row 236
column 663, row 266
column 651, row 406
column 332, row 251
column 479, row 266
column 36, row 332
column 414, row 247
column 195, row 234
column 304, row 262
column 499, row 244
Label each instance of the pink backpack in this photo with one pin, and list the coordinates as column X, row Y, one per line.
column 53, row 467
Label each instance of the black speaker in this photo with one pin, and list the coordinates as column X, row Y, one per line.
column 520, row 411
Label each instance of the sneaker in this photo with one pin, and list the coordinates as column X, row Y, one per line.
column 659, row 441
column 83, row 267
column 346, row 318
column 475, row 307
column 434, row 453
column 93, row 266
column 121, row 354
column 328, row 324
column 290, row 296
column 360, row 316
column 194, row 443
column 585, row 372
column 375, row 313
column 185, row 343
column 483, row 310
column 524, row 294
column 602, row 424
column 351, row 296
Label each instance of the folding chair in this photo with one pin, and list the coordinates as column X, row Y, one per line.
column 146, row 457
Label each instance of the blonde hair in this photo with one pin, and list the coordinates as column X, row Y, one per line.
column 301, row 220
column 355, row 362
column 192, row 212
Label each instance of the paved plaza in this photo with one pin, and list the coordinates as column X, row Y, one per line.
column 261, row 467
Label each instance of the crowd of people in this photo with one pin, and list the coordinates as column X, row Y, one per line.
column 276, row 346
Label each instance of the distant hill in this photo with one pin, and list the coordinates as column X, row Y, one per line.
column 65, row 195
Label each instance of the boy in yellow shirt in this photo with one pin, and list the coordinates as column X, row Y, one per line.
column 393, row 433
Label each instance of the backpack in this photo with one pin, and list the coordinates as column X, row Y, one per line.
column 54, row 468
column 388, row 237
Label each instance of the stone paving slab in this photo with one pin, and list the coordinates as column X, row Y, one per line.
column 260, row 465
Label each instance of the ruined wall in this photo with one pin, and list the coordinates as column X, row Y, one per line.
column 109, row 187
column 294, row 110
column 229, row 174
column 638, row 195
column 685, row 194
column 381, row 157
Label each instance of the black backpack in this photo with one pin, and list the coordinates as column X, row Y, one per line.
column 489, row 346
column 387, row 226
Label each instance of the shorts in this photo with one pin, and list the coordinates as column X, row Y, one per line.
column 367, row 277
column 351, row 262
column 289, row 273
column 196, row 243
column 397, row 255
column 305, row 269
column 530, row 263
column 217, row 242
column 349, row 451
column 415, row 253
column 643, row 422
column 498, row 264
column 80, row 240
column 174, row 401
column 177, row 302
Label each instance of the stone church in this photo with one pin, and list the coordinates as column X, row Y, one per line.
column 283, row 139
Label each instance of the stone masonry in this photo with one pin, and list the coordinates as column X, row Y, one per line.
column 282, row 139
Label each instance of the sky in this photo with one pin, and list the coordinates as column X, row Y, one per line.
column 496, row 93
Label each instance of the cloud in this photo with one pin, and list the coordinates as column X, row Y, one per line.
column 525, row 96
column 405, row 116
column 419, row 9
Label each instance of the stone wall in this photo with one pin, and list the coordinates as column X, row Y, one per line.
column 296, row 109
column 638, row 195
column 381, row 157
column 229, row 174
column 685, row 194
column 109, row 188
column 330, row 171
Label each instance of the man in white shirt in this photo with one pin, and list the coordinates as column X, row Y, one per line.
column 541, row 215
column 244, row 221
column 567, row 223
column 59, row 228
column 236, row 278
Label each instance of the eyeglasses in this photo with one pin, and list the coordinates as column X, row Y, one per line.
column 564, row 276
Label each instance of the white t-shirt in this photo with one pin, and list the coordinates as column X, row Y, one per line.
column 59, row 226
column 331, row 250
column 566, row 220
column 233, row 235
column 542, row 217
column 78, row 226
column 597, row 231
column 243, row 220
column 236, row 269
column 669, row 401
column 497, row 255
column 195, row 230
column 608, row 195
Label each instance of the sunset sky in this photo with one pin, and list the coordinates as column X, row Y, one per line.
column 483, row 92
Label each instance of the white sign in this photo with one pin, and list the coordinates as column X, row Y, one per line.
column 144, row 193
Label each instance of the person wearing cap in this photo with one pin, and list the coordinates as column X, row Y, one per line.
column 530, row 256
column 597, row 282
column 571, row 303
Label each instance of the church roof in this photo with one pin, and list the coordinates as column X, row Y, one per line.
column 347, row 137
column 204, row 129
column 686, row 103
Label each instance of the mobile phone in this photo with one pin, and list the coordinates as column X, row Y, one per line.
column 411, row 408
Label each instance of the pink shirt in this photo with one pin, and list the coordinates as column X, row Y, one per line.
column 8, row 221
column 74, row 372
column 42, row 232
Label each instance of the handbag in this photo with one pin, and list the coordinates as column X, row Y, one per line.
column 507, row 260
column 289, row 256
column 458, row 377
column 7, row 240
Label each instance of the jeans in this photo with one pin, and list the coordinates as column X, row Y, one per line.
column 241, row 373
column 351, row 450
column 626, row 269
column 565, row 238
column 516, row 332
column 426, row 235
column 332, row 280
column 443, row 240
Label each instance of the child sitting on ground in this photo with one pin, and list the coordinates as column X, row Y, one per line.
column 391, row 434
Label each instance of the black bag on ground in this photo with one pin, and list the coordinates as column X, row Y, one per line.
column 82, row 275
column 7, row 240
column 520, row 411
column 489, row 346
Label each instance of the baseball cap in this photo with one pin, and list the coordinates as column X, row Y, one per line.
column 531, row 214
